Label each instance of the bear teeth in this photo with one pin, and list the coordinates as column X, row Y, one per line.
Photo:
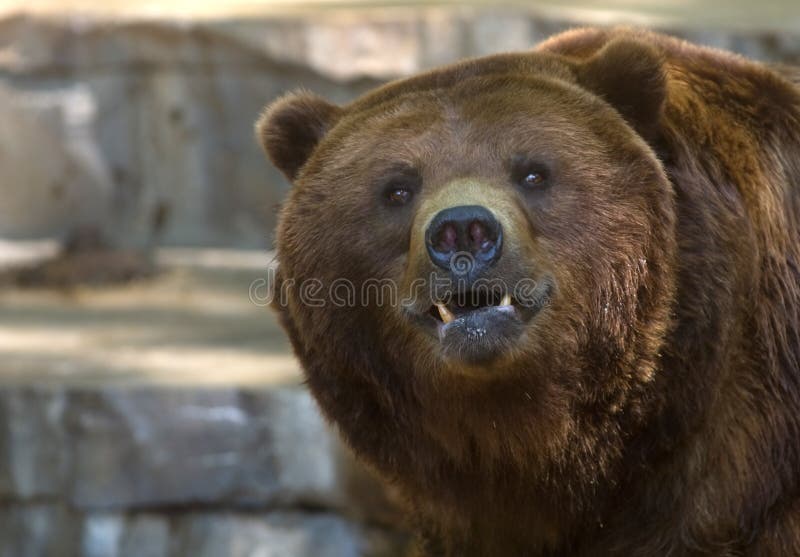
column 445, row 313
column 447, row 316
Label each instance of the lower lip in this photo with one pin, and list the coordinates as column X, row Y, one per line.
column 481, row 335
column 468, row 321
column 486, row 331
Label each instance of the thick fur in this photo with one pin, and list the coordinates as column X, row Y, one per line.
column 654, row 407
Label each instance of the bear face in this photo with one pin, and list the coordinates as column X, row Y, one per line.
column 523, row 278
column 557, row 174
column 512, row 167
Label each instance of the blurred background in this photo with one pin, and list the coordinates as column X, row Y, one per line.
column 149, row 404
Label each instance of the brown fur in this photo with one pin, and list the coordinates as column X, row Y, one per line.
column 654, row 407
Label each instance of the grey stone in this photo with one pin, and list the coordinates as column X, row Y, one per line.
column 143, row 118
column 51, row 530
column 38, row 530
column 70, row 185
column 117, row 535
column 501, row 32
column 138, row 447
column 375, row 45
column 33, row 452
column 156, row 447
column 97, row 464
column 281, row 535
column 146, row 536
column 99, row 454
column 101, row 536
column 300, row 447
column 221, row 533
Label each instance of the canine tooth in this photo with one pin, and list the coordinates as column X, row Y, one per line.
column 445, row 313
column 506, row 301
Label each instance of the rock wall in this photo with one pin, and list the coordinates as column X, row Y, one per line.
column 175, row 472
column 112, row 122
column 122, row 121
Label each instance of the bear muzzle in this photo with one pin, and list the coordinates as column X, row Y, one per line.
column 470, row 249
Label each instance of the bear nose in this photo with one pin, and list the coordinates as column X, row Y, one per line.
column 466, row 229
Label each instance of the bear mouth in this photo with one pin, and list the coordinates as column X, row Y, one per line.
column 461, row 305
column 475, row 327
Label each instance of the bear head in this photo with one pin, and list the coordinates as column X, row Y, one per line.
column 487, row 246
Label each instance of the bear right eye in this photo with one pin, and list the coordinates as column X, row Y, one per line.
column 399, row 189
column 399, row 196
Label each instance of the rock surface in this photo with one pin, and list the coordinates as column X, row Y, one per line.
column 46, row 530
column 166, row 418
column 133, row 471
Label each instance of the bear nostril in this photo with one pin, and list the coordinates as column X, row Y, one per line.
column 448, row 238
column 478, row 236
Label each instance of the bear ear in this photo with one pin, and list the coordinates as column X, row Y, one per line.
column 629, row 75
column 292, row 126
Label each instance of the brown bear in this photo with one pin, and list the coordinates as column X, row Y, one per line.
column 581, row 327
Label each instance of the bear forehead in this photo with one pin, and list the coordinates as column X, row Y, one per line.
column 480, row 100
column 508, row 93
column 477, row 76
column 503, row 109
column 478, row 116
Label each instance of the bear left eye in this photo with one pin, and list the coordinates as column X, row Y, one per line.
column 532, row 179
column 528, row 174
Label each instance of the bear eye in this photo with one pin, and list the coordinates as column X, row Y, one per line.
column 399, row 196
column 527, row 174
column 533, row 178
column 401, row 186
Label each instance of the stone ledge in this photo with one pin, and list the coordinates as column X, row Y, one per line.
column 170, row 409
column 152, row 447
column 47, row 530
column 196, row 324
column 237, row 469
column 346, row 43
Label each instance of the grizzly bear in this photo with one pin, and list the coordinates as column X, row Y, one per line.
column 581, row 327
